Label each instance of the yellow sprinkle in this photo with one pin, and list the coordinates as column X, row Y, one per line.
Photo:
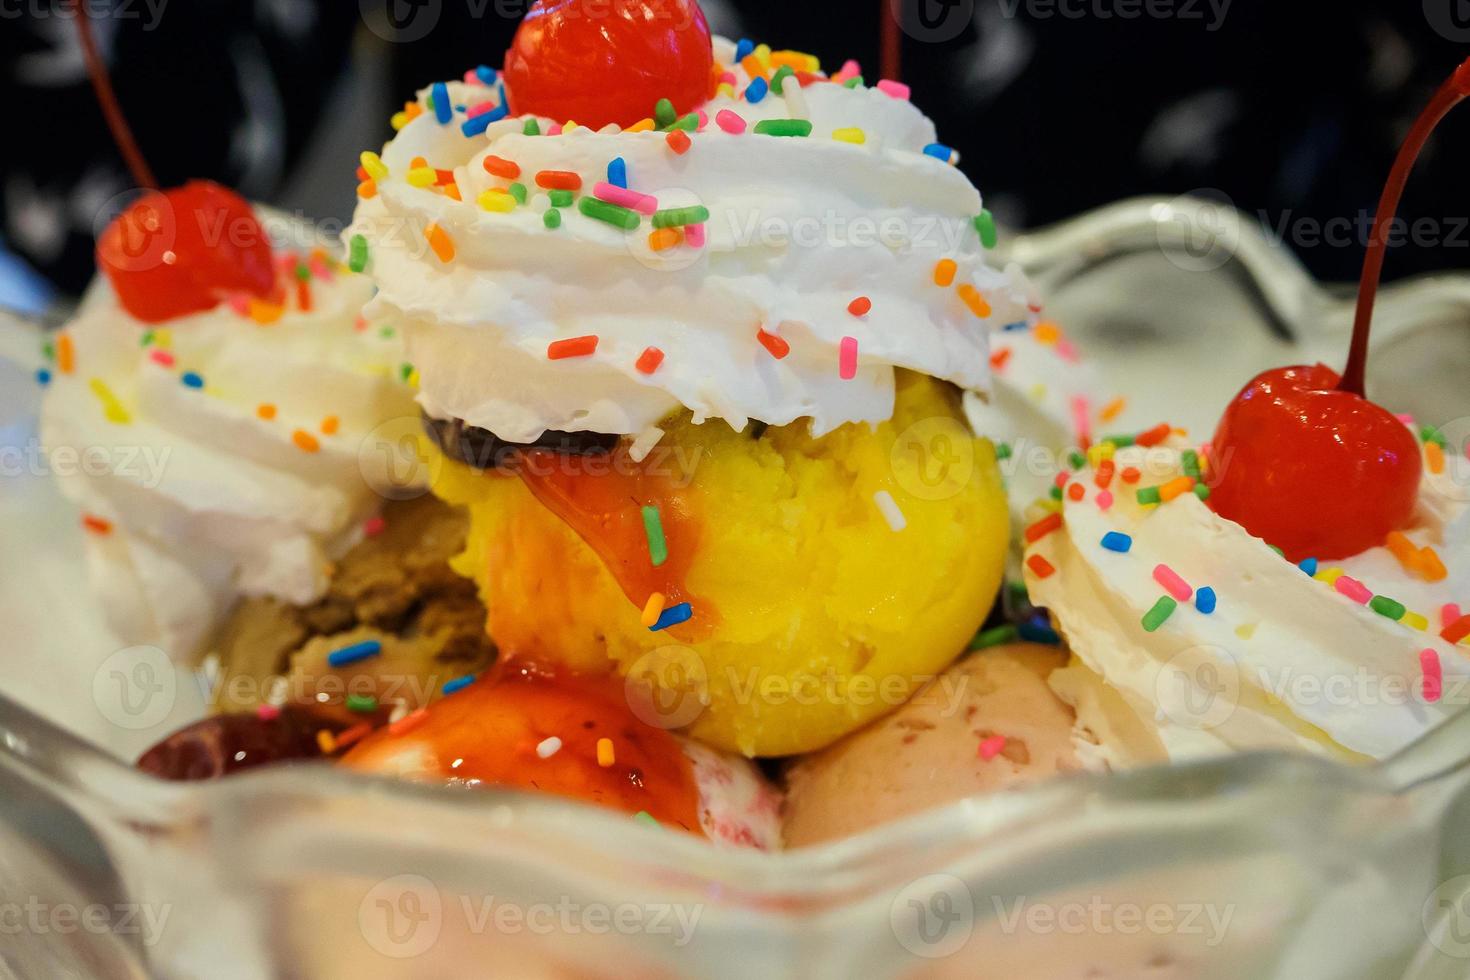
column 266, row 411
column 1434, row 456
column 1050, row 506
column 413, row 378
column 944, row 272
column 795, row 60
column 1038, row 392
column 66, row 354
column 326, row 741
column 1113, row 409
column 423, row 176
column 330, row 424
column 1100, row 453
column 1416, row 621
column 399, row 120
column 305, row 441
column 850, row 135
column 763, row 52
column 112, row 409
column 726, row 89
column 1329, row 575
column 653, row 609
column 374, row 165
column 440, row 242
column 972, row 298
column 1246, row 631
column 568, row 126
column 664, row 239
column 641, row 126
column 605, row 754
column 1047, row 333
column 163, row 338
column 497, row 200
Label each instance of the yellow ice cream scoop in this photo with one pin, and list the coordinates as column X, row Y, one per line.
column 765, row 590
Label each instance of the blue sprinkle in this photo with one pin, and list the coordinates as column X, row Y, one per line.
column 191, row 379
column 356, row 653
column 1309, row 566
column 443, row 111
column 1038, row 631
column 617, row 173
column 673, row 616
column 458, row 684
column 1117, row 541
column 1018, row 325
column 745, row 47
column 939, row 152
column 1204, row 600
column 43, row 377
column 486, row 74
column 757, row 90
column 478, row 125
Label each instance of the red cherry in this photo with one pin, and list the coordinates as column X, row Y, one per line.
column 1314, row 470
column 183, row 251
column 595, row 63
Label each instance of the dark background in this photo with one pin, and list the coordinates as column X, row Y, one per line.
column 1290, row 110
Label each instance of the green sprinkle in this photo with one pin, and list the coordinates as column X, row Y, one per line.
column 999, row 636
column 1430, row 433
column 784, row 127
column 1280, row 552
column 1390, row 608
column 679, row 217
column 1004, row 451
column 664, row 114
column 532, row 128
column 782, row 73
column 1201, row 491
column 985, row 225
column 653, row 527
column 362, row 703
column 552, row 218
column 1121, row 442
column 386, row 333
column 562, row 199
column 854, row 82
column 1018, row 590
column 518, row 191
column 610, row 213
column 406, row 371
column 147, row 340
column 643, row 816
column 1077, row 460
column 1190, row 459
column 1149, row 495
column 689, row 123
column 48, row 350
column 1056, row 493
column 357, row 257
column 1160, row 613
column 303, row 272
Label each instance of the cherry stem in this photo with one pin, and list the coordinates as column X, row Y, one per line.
column 1451, row 94
column 892, row 49
column 122, row 134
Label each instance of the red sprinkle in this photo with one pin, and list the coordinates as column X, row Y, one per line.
column 1076, row 492
column 575, row 347
column 1155, row 435
column 679, row 141
column 860, row 306
column 96, row 525
column 1433, row 672
column 1043, row 527
column 1040, row 566
column 1105, row 471
column 778, row 347
column 373, row 526
column 362, row 175
column 999, row 358
column 1456, row 631
column 649, row 360
column 992, row 747
column 408, row 723
column 1062, row 480
column 559, row 180
column 501, row 167
column 354, row 734
column 1132, row 475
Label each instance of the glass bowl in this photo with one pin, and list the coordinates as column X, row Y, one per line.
column 1263, row 865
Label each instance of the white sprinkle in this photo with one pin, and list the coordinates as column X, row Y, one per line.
column 890, row 510
column 400, row 712
column 549, row 748
column 643, row 445
column 796, row 103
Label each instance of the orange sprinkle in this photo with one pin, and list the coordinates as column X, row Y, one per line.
column 1105, row 471
column 303, row 296
column 944, row 272
column 861, row 306
column 1434, row 457
column 452, row 191
column 649, row 360
column 559, row 180
column 1047, row 332
column 1431, row 567
column 1043, row 527
column 1132, row 475
column 1177, row 487
column 605, row 754
column 753, row 66
column 266, row 411
column 305, row 441
column 665, row 238
column 653, row 608
column 575, row 347
column 641, row 126
column 354, row 734
column 1040, row 566
column 368, row 189
column 326, row 741
column 777, row 346
column 408, row 722
column 999, row 358
column 66, row 354
column 96, row 525
column 1113, row 409
column 1155, row 436
column 413, row 110
column 1402, row 548
column 679, row 141
column 1076, row 492
column 330, row 424
column 972, row 298
column 440, row 242
column 418, row 163
column 264, row 313
column 501, row 167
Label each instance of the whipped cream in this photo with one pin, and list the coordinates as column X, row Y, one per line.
column 1286, row 659
column 184, row 444
column 798, row 229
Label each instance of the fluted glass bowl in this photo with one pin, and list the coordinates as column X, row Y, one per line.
column 1256, row 866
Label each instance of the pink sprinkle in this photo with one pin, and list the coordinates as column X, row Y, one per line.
column 731, row 122
column 1433, row 675
column 703, row 119
column 373, row 526
column 847, row 363
column 361, row 324
column 897, row 90
column 1082, row 417
column 555, row 130
column 1354, row 590
column 319, row 268
column 240, row 303
column 162, row 357
column 728, row 78
column 1406, row 418
column 992, row 747
column 1067, row 351
column 694, row 236
column 1172, row 583
column 479, row 109
column 1449, row 614
column 470, row 78
column 621, row 196
column 851, row 69
column 267, row 712
column 1105, row 500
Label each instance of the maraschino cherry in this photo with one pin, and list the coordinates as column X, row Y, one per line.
column 1302, row 458
column 595, row 63
column 176, row 252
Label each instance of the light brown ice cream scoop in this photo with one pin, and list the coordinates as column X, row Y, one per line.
column 988, row 724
